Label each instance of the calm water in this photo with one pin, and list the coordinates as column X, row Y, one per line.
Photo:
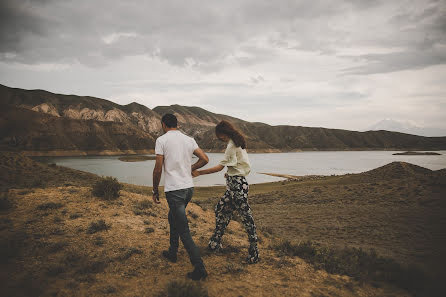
column 299, row 163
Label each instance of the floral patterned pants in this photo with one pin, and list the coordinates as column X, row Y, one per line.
column 235, row 198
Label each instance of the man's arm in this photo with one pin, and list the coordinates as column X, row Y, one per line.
column 202, row 159
column 156, row 177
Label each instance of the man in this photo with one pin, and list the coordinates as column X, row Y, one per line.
column 174, row 153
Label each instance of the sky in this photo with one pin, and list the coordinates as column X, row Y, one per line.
column 335, row 64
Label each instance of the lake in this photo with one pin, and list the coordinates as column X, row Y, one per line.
column 297, row 163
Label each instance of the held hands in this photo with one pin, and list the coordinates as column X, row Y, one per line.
column 195, row 173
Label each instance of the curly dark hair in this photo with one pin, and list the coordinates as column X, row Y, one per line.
column 226, row 128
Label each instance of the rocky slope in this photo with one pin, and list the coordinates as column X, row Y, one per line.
column 139, row 126
column 34, row 132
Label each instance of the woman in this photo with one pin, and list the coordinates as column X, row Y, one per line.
column 236, row 195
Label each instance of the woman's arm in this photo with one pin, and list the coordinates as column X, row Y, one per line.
column 214, row 169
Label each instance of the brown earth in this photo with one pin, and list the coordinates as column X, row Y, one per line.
column 48, row 248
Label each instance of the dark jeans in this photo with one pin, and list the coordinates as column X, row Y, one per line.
column 179, row 226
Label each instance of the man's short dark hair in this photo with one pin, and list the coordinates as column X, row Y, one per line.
column 169, row 120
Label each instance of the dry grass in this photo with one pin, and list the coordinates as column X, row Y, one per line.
column 49, row 252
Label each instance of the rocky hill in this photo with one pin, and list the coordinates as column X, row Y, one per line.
column 102, row 125
column 39, row 133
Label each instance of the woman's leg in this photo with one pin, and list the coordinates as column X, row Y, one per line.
column 223, row 215
column 242, row 206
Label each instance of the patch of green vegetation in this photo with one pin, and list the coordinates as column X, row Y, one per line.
column 357, row 263
column 107, row 188
column 97, row 226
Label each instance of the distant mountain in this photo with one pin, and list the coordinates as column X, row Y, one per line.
column 41, row 122
column 82, row 108
column 407, row 127
column 39, row 133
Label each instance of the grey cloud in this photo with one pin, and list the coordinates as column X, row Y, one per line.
column 209, row 35
column 257, row 79
column 18, row 21
column 384, row 63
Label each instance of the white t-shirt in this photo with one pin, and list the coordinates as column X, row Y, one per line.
column 177, row 150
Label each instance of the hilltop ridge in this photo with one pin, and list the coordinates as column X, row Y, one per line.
column 98, row 119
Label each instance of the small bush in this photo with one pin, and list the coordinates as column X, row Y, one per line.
column 5, row 203
column 130, row 252
column 55, row 270
column 107, row 188
column 49, row 205
column 74, row 216
column 142, row 208
column 193, row 214
column 149, row 230
column 178, row 288
column 97, row 226
column 144, row 204
column 37, row 183
column 95, row 266
column 12, row 245
column 233, row 268
column 57, row 246
column 99, row 241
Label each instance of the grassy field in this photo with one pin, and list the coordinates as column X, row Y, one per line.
column 57, row 239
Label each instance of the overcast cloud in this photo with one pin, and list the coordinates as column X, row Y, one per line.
column 338, row 64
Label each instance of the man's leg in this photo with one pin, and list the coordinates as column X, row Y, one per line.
column 174, row 237
column 223, row 215
column 177, row 201
column 171, row 254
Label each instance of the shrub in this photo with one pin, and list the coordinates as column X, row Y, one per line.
column 130, row 252
column 49, row 205
column 193, row 214
column 142, row 208
column 97, row 226
column 231, row 268
column 107, row 188
column 149, row 230
column 5, row 203
column 184, row 288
